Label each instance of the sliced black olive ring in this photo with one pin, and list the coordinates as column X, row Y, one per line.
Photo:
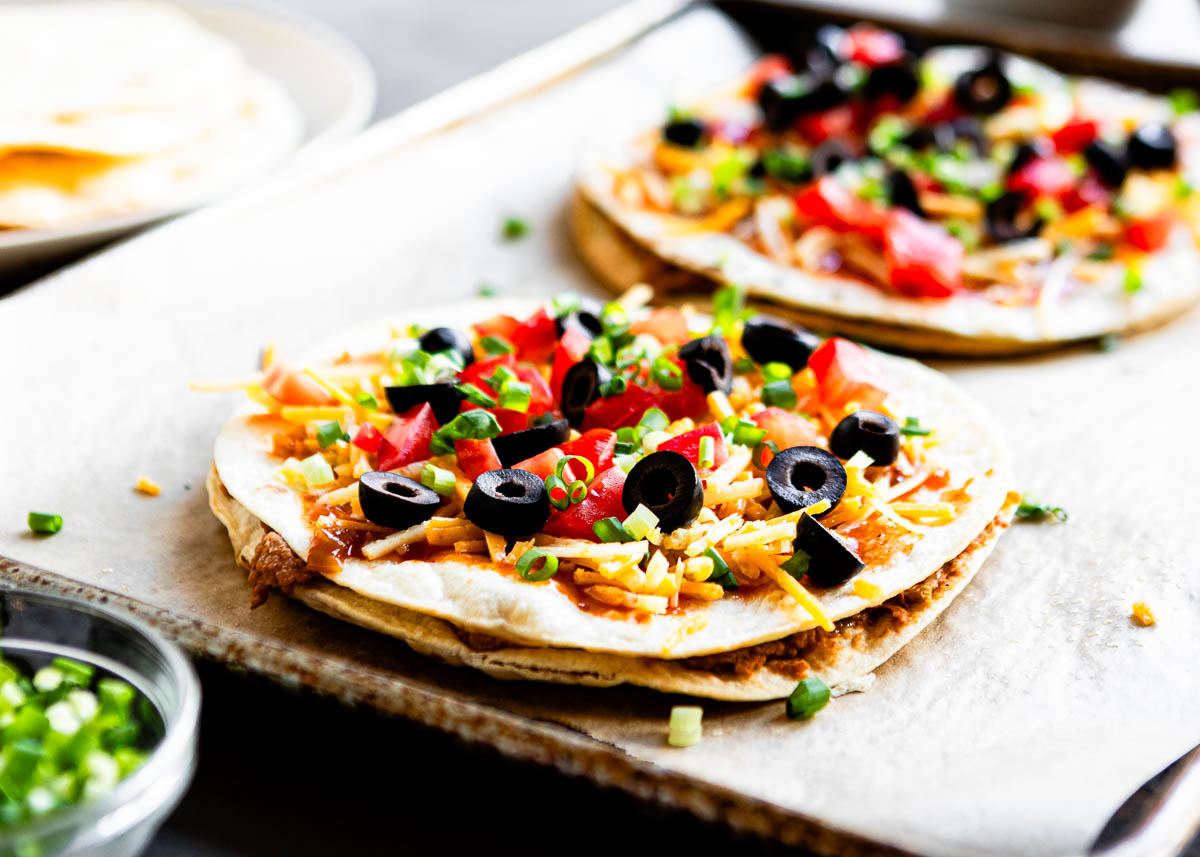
column 1110, row 163
column 585, row 317
column 512, row 503
column 902, row 193
column 1006, row 219
column 684, row 132
column 1152, row 147
column 442, row 397
column 898, row 80
column 768, row 339
column 708, row 363
column 511, row 448
column 831, row 561
column 668, row 485
column 582, row 385
column 983, row 91
column 391, row 500
column 876, row 435
column 802, row 476
column 447, row 339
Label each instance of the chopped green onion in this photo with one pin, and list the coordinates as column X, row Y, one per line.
column 1048, row 209
column 729, row 307
column 74, row 673
column 515, row 395
column 495, row 346
column 437, row 479
column 614, row 320
column 47, row 679
column 624, row 447
column 912, row 428
column 577, row 492
column 1183, row 188
column 561, row 467
column 514, row 228
column 330, row 433
column 743, row 365
column 744, row 432
column 654, row 420
column 315, row 470
column 1108, row 342
column 601, row 351
column 557, row 491
column 502, row 375
column 487, row 290
column 45, row 522
column 565, row 304
column 707, row 453
column 787, row 163
column 626, row 462
column 809, row 697
column 526, row 562
column 757, row 458
column 615, row 387
column 667, row 373
column 627, row 434
column 610, row 530
column 367, row 401
column 779, row 394
column 797, row 565
column 1133, row 279
column 475, row 396
column 684, row 728
column 720, row 573
column 887, row 133
column 1032, row 508
column 475, row 424
column 776, row 371
column 1183, row 100
column 640, row 521
column 1102, row 253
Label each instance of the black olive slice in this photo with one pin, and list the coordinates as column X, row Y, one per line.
column 684, row 132
column 985, row 90
column 582, row 385
column 511, row 448
column 667, row 484
column 772, row 340
column 447, row 338
column 867, row 431
column 584, row 317
column 442, row 397
column 1022, row 155
column 828, row 156
column 1004, row 221
column 708, row 363
column 919, row 138
column 803, row 475
column 1109, row 162
column 898, row 80
column 513, row 503
column 830, row 560
column 392, row 500
column 902, row 193
column 1152, row 147
column 780, row 100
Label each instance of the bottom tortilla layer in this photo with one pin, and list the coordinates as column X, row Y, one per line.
column 857, row 645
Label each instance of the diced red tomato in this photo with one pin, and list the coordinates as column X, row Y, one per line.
column 872, row 46
column 923, row 259
column 1151, row 233
column 1051, row 176
column 770, row 67
column 689, row 400
column 540, row 397
column 688, row 444
column 829, row 203
column 407, row 438
column 834, row 122
column 1073, row 136
column 480, row 370
column 667, row 324
column 785, row 429
column 603, row 501
column 848, row 373
column 367, row 438
column 572, row 348
column 947, row 111
column 293, row 387
column 597, row 446
column 614, row 412
column 1087, row 192
column 503, row 326
column 542, row 464
column 536, row 337
column 510, row 420
column 476, row 457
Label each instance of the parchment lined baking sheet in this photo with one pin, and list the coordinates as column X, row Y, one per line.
column 1014, row 725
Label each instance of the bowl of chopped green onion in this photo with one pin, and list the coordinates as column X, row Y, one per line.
column 97, row 728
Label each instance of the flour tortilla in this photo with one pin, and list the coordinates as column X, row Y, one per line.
column 624, row 244
column 478, row 598
column 846, row 666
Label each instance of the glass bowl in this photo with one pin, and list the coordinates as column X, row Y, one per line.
column 36, row 628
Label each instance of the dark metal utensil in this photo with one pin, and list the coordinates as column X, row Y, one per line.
column 1160, row 818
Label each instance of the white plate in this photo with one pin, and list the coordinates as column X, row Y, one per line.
column 326, row 75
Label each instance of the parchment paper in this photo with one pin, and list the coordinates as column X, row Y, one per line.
column 1015, row 725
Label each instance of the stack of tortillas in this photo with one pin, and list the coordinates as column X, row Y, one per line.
column 119, row 106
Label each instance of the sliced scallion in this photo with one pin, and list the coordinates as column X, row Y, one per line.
column 45, row 522
column 779, row 394
column 561, row 467
column 475, row 396
column 515, row 395
column 513, row 228
column 797, row 565
column 495, row 346
column 912, row 428
column 640, row 521
column 706, row 455
column 558, row 492
column 654, row 420
column 475, row 424
column 685, row 726
column 776, row 372
column 610, row 530
column 330, row 433
column 368, row 401
column 438, row 480
column 315, row 471
column 809, row 697
column 1133, row 279
column 721, row 573
column 525, row 565
column 667, row 373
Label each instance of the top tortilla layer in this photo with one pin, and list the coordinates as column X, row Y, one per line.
column 478, row 598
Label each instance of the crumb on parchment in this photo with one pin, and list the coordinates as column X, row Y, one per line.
column 1142, row 614
column 148, row 486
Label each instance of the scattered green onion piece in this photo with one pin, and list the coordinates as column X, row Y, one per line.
column 787, row 163
column 515, row 395
column 615, row 387
column 721, row 573
column 640, row 521
column 626, row 462
column 1102, row 253
column 610, row 530
column 45, row 522
column 624, row 447
column 1133, row 279
column 367, row 401
column 743, row 365
column 500, row 377
column 779, row 394
column 912, row 428
column 589, row 468
column 776, row 371
column 556, row 489
column 526, row 562
column 747, row 433
column 475, row 424
column 495, row 346
column 439, row 480
column 627, row 434
column 614, row 321
column 514, row 228
column 684, row 728
column 487, row 290
column 601, row 351
column 330, row 433
column 74, row 673
column 654, row 420
column 1108, row 342
column 729, row 307
column 1183, row 101
column 577, row 492
column 757, row 458
column 797, row 565
column 565, row 304
column 1183, row 188
column 416, row 330
column 706, row 455
column 1031, row 508
column 47, row 679
column 315, row 470
column 809, row 697
column 667, row 373
column 475, row 396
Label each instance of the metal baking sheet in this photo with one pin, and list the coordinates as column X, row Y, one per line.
column 1014, row 725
